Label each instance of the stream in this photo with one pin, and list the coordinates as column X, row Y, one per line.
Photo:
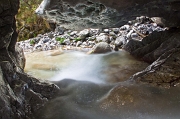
column 97, row 87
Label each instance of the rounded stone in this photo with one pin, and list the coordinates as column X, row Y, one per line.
column 101, row 47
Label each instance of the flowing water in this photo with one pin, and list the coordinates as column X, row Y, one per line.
column 97, row 87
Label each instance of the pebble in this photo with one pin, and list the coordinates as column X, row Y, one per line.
column 116, row 37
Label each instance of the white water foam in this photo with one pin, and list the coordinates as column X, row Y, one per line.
column 86, row 68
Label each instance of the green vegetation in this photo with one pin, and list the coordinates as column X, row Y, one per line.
column 32, row 42
column 61, row 40
column 28, row 23
column 77, row 39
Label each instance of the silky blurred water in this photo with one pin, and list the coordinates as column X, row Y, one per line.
column 99, row 68
column 97, row 87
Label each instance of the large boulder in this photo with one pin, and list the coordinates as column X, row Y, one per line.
column 80, row 14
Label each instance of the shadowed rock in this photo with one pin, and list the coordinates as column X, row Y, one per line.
column 79, row 14
column 162, row 50
column 20, row 95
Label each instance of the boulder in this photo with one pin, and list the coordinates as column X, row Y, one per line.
column 101, row 47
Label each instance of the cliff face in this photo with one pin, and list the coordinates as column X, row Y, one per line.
column 79, row 14
column 20, row 95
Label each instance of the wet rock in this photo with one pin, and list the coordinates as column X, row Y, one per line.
column 101, row 47
column 153, row 46
column 162, row 50
column 163, row 72
column 14, row 83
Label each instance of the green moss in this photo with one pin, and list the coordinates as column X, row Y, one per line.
column 77, row 39
column 32, row 42
column 61, row 40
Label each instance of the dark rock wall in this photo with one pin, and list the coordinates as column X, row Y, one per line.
column 162, row 50
column 20, row 95
column 79, row 14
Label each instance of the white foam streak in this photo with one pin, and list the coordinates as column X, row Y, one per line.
column 86, row 68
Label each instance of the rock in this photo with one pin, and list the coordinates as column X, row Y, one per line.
column 129, row 34
column 73, row 33
column 19, row 57
column 115, row 30
column 163, row 72
column 67, row 41
column 15, row 87
column 45, row 40
column 101, row 47
column 120, row 41
column 83, row 34
column 134, row 35
column 102, row 38
column 78, row 43
column 94, row 32
column 20, row 94
column 125, row 27
column 104, row 13
column 139, row 29
column 153, row 46
column 37, row 47
column 106, row 30
column 159, row 21
column 60, row 30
